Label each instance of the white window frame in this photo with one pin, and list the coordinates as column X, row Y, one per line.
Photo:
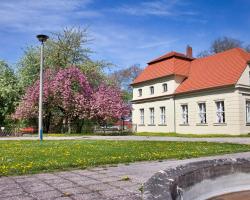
column 202, row 113
column 163, row 115
column 220, row 112
column 248, row 111
column 140, row 92
column 142, row 116
column 184, row 113
column 165, row 87
column 151, row 90
column 151, row 116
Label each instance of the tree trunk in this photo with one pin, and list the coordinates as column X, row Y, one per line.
column 69, row 126
column 79, row 126
column 47, row 122
column 64, row 122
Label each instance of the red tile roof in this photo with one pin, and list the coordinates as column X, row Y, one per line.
column 169, row 66
column 218, row 70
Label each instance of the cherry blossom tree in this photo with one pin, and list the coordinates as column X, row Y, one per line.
column 72, row 93
column 28, row 107
column 107, row 104
column 69, row 92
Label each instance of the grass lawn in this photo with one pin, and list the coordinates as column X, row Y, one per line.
column 188, row 135
column 26, row 157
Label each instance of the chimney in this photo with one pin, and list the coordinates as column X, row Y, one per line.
column 189, row 52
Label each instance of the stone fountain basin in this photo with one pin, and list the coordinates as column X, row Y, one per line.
column 199, row 180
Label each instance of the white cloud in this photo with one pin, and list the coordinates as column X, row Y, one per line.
column 113, row 41
column 157, row 43
column 36, row 15
column 157, row 8
column 124, row 46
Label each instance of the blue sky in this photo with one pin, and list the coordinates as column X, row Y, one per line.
column 124, row 32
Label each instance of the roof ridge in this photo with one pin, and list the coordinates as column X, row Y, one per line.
column 170, row 55
column 222, row 53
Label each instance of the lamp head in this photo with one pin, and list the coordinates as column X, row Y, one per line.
column 42, row 38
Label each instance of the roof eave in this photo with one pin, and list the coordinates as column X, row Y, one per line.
column 174, row 74
column 204, row 89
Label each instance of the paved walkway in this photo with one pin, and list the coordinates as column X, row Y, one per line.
column 239, row 140
column 113, row 183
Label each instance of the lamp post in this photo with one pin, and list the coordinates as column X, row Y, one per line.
column 42, row 39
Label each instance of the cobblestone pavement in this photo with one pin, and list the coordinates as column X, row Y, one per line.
column 121, row 182
column 238, row 140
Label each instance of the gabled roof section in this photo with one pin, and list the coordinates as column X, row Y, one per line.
column 172, row 63
column 221, row 69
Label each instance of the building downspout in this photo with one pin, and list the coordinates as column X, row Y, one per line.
column 174, row 116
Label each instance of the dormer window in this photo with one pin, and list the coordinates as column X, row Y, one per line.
column 165, row 87
column 140, row 92
column 152, row 90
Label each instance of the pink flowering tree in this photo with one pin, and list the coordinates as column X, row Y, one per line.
column 28, row 107
column 69, row 97
column 72, row 93
column 107, row 105
column 66, row 91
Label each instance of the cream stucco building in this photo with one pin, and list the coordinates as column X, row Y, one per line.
column 178, row 93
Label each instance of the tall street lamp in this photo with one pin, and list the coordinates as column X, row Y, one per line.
column 42, row 39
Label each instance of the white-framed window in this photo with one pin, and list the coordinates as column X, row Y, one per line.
column 151, row 90
column 139, row 92
column 163, row 115
column 165, row 87
column 248, row 111
column 152, row 116
column 202, row 113
column 220, row 112
column 141, row 116
column 184, row 109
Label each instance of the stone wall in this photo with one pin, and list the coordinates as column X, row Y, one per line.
column 199, row 180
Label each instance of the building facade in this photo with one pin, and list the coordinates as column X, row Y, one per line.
column 178, row 93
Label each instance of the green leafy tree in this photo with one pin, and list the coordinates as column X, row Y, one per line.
column 94, row 71
column 29, row 67
column 8, row 92
column 68, row 47
column 65, row 48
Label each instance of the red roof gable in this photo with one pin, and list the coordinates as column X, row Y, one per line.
column 221, row 69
